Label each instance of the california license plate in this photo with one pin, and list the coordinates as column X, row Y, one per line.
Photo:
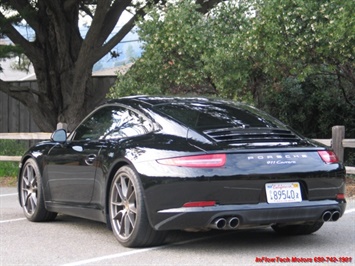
column 283, row 192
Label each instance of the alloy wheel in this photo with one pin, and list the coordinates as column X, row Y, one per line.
column 29, row 189
column 123, row 206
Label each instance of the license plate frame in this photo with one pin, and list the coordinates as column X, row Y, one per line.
column 285, row 192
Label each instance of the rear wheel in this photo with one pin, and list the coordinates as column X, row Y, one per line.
column 297, row 229
column 31, row 193
column 128, row 216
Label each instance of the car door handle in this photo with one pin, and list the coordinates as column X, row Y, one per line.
column 90, row 159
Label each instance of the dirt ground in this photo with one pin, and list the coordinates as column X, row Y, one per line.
column 350, row 185
column 7, row 181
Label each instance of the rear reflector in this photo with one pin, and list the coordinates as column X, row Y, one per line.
column 328, row 156
column 197, row 161
column 199, row 204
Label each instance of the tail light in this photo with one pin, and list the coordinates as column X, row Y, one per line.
column 340, row 196
column 200, row 204
column 197, row 161
column 328, row 156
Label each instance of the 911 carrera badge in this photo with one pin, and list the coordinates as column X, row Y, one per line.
column 278, row 158
column 281, row 162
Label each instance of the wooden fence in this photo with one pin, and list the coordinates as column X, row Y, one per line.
column 337, row 142
column 15, row 117
column 21, row 136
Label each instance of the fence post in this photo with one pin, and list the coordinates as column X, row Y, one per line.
column 338, row 134
column 61, row 125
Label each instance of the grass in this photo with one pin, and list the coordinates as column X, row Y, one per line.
column 9, row 170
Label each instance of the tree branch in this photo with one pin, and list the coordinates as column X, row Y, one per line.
column 18, row 39
column 103, row 6
column 111, row 19
column 26, row 11
column 107, row 47
column 207, row 5
column 69, row 4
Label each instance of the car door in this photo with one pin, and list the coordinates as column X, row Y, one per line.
column 71, row 166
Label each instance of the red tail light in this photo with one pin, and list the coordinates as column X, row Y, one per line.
column 340, row 196
column 197, row 161
column 328, row 156
column 200, row 204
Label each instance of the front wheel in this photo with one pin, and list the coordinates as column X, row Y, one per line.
column 31, row 193
column 297, row 229
column 128, row 216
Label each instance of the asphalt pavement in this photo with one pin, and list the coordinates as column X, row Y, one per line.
column 74, row 241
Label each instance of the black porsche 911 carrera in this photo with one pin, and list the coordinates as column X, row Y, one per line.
column 146, row 165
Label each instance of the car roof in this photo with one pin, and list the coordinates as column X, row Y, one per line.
column 160, row 100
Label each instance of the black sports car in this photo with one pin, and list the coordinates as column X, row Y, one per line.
column 146, row 165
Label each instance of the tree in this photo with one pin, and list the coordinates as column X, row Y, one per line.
column 173, row 39
column 247, row 48
column 187, row 52
column 301, row 39
column 61, row 57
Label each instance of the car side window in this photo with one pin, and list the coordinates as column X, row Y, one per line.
column 113, row 122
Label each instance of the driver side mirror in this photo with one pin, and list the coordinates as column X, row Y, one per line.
column 60, row 135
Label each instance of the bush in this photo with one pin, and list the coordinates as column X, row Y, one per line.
column 10, row 148
column 311, row 107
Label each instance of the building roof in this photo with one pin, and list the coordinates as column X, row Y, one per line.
column 9, row 74
column 113, row 71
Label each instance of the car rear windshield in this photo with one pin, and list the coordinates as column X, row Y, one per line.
column 217, row 115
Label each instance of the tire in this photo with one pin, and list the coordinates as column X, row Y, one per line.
column 297, row 229
column 31, row 193
column 127, row 212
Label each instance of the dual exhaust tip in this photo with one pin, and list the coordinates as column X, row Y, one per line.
column 225, row 223
column 233, row 222
column 330, row 216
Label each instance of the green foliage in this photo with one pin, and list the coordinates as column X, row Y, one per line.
column 242, row 49
column 227, row 62
column 172, row 46
column 9, row 51
column 8, row 169
column 10, row 148
column 178, row 43
column 303, row 38
column 187, row 52
column 312, row 106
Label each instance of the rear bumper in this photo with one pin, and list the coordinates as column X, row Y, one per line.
column 249, row 214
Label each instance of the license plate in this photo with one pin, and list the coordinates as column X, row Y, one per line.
column 283, row 192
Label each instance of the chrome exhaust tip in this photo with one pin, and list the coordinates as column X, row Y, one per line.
column 219, row 223
column 233, row 222
column 335, row 216
column 326, row 216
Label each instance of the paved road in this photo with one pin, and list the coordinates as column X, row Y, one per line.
column 74, row 241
